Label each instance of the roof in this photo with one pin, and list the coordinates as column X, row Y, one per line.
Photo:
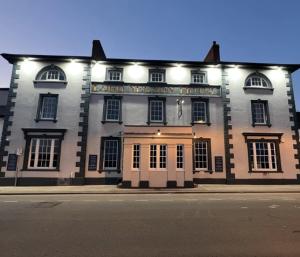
column 12, row 58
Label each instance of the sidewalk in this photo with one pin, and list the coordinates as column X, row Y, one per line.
column 113, row 189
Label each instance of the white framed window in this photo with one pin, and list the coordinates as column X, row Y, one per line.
column 48, row 107
column 156, row 111
column 199, row 111
column 198, row 78
column 136, row 155
column 259, row 112
column 156, row 76
column 263, row 156
column 158, row 157
column 257, row 80
column 202, row 154
column 44, row 153
column 111, row 154
column 112, row 109
column 114, row 75
column 52, row 73
column 179, row 157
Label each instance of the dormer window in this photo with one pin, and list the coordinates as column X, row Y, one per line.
column 258, row 80
column 51, row 73
column 157, row 76
column 198, row 77
column 114, row 74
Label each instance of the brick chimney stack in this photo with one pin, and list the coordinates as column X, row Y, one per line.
column 213, row 54
column 98, row 53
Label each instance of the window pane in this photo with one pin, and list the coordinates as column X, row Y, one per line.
column 114, row 75
column 199, row 112
column 179, row 159
column 136, row 156
column 259, row 113
column 263, row 156
column 153, row 156
column 48, row 107
column 163, row 157
column 111, row 154
column 201, row 155
column 198, row 78
column 113, row 109
column 156, row 77
column 156, row 111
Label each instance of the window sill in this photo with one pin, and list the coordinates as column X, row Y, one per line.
column 201, row 123
column 111, row 121
column 51, row 81
column 38, row 170
column 261, row 125
column 265, row 171
column 204, row 170
column 157, row 83
column 114, row 82
column 199, row 84
column 51, row 120
column 270, row 89
column 156, row 123
column 106, row 170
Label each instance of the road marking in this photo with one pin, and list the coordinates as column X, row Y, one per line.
column 115, row 200
column 166, row 200
column 89, row 200
column 64, row 200
column 274, row 206
column 215, row 199
column 142, row 200
column 36, row 201
column 189, row 200
column 298, row 207
column 244, row 207
column 12, row 201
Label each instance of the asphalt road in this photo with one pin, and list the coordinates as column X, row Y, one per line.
column 212, row 225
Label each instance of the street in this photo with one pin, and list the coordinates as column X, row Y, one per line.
column 169, row 225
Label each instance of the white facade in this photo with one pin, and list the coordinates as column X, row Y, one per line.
column 90, row 146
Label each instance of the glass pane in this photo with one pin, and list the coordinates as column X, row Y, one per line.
column 156, row 111
column 199, row 111
column 48, row 108
column 113, row 110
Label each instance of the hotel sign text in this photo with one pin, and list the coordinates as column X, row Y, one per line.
column 212, row 91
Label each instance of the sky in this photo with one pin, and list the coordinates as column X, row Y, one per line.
column 249, row 30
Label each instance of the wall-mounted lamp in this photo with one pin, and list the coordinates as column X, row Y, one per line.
column 158, row 132
column 194, row 135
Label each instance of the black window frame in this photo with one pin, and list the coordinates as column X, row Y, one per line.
column 267, row 113
column 209, row 155
column 29, row 134
column 112, row 69
column 163, row 71
column 206, row 101
column 106, row 98
column 193, row 72
column 101, row 159
column 49, row 68
column 40, row 104
column 260, row 88
column 164, row 112
column 277, row 154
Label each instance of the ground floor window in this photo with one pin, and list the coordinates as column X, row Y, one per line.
column 158, row 156
column 179, row 157
column 202, row 154
column 263, row 155
column 136, row 156
column 110, row 153
column 44, row 153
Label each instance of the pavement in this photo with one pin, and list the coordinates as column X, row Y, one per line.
column 113, row 189
column 150, row 225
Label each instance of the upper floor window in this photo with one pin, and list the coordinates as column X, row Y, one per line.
column 157, row 76
column 258, row 80
column 198, row 77
column 114, row 74
column 47, row 107
column 260, row 112
column 112, row 109
column 157, row 110
column 200, row 111
column 51, row 73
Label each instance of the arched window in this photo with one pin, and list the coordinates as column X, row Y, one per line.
column 51, row 73
column 258, row 80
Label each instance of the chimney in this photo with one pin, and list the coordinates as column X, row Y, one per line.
column 97, row 51
column 213, row 54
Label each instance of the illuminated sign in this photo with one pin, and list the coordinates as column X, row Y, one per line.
column 127, row 89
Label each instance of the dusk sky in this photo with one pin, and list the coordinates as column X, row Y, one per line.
column 251, row 31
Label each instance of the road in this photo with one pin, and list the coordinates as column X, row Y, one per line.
column 169, row 225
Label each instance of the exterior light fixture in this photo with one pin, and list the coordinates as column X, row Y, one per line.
column 158, row 132
column 194, row 135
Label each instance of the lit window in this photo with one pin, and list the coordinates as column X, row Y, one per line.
column 258, row 80
column 44, row 153
column 114, row 75
column 202, row 154
column 47, row 107
column 260, row 114
column 51, row 73
column 136, row 156
column 200, row 112
column 157, row 110
column 198, row 78
column 157, row 76
column 112, row 109
column 158, row 156
column 179, row 157
column 263, row 156
column 111, row 154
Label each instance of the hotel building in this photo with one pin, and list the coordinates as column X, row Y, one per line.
column 148, row 123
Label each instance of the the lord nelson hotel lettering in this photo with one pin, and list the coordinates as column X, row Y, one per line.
column 148, row 123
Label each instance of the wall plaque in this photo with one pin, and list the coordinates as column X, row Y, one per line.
column 92, row 162
column 218, row 163
column 12, row 162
